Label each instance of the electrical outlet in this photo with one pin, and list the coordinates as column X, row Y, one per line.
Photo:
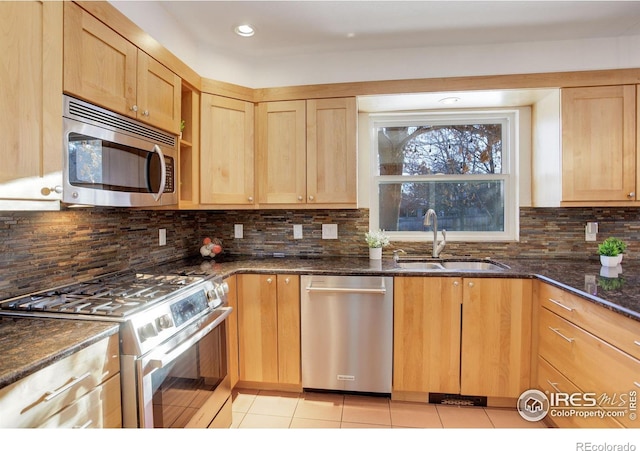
column 591, row 231
column 297, row 231
column 329, row 231
column 238, row 231
column 162, row 237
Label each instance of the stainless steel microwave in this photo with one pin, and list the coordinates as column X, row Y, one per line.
column 114, row 161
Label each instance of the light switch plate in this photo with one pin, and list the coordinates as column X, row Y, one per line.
column 329, row 231
column 162, row 237
column 238, row 231
column 591, row 231
column 297, row 231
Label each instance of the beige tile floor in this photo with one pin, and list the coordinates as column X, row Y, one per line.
column 271, row 409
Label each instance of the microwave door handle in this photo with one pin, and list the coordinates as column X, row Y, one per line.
column 163, row 173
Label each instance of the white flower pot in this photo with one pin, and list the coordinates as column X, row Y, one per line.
column 610, row 262
column 620, row 258
column 375, row 253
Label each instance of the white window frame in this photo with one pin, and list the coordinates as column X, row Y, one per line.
column 509, row 176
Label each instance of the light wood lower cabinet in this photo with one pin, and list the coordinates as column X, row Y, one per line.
column 232, row 330
column 269, row 330
column 81, row 390
column 469, row 336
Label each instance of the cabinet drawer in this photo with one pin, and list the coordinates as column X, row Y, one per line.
column 591, row 364
column 100, row 408
column 33, row 399
column 614, row 328
column 551, row 380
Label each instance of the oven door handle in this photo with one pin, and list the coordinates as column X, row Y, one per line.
column 161, row 361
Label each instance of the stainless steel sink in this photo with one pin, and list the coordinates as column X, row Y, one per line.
column 450, row 265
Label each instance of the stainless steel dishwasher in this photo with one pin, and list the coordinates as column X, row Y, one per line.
column 347, row 333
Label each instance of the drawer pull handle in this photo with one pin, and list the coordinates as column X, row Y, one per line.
column 637, row 384
column 560, row 304
column 570, row 340
column 76, row 380
column 84, row 426
column 554, row 385
column 637, row 342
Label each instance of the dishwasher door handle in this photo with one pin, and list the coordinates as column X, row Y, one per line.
column 381, row 290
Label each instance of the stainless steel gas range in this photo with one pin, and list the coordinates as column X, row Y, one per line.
column 173, row 344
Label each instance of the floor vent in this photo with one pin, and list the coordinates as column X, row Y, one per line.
column 451, row 399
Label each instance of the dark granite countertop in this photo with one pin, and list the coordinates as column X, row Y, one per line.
column 616, row 289
column 30, row 344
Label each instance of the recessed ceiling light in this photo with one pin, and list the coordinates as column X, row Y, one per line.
column 244, row 30
column 449, row 100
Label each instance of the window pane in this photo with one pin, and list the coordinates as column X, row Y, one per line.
column 440, row 149
column 461, row 206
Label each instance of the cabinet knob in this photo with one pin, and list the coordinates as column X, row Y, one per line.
column 631, row 195
column 134, row 108
column 250, row 199
column 311, row 198
column 46, row 191
column 287, row 281
column 456, row 283
column 300, row 198
column 269, row 280
column 470, row 284
column 145, row 113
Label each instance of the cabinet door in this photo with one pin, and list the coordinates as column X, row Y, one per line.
column 31, row 101
column 289, row 329
column 496, row 337
column 227, row 152
column 158, row 94
column 282, row 152
column 99, row 64
column 598, row 144
column 331, row 151
column 426, row 334
column 258, row 323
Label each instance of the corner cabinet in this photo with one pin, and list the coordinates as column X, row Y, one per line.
column 599, row 126
column 102, row 67
column 307, row 155
column 227, row 153
column 31, row 105
column 269, row 331
column 467, row 336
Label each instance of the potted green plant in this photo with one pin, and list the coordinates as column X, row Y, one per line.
column 621, row 245
column 609, row 252
column 376, row 240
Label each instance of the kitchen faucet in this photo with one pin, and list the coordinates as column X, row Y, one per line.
column 437, row 248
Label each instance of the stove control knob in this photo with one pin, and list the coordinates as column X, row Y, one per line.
column 222, row 289
column 164, row 322
column 147, row 331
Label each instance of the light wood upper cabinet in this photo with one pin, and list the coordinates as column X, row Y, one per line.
column 102, row 67
column 307, row 153
column 31, row 105
column 331, row 151
column 282, row 161
column 599, row 145
column 227, row 152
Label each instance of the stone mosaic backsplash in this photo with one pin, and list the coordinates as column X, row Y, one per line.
column 45, row 249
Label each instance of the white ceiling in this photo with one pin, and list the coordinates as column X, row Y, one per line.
column 301, row 27
column 309, row 42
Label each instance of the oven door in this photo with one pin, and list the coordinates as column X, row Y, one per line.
column 185, row 382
